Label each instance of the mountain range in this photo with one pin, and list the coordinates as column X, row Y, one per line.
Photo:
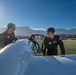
column 26, row 31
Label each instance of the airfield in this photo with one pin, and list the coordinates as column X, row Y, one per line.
column 70, row 47
column 69, row 43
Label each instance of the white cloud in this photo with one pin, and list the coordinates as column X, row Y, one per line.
column 38, row 29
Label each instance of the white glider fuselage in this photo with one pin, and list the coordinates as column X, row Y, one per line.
column 18, row 59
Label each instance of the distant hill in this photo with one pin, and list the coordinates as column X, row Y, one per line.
column 64, row 31
column 25, row 31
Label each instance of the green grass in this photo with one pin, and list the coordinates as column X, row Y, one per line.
column 70, row 46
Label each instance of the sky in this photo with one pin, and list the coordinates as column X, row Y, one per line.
column 38, row 14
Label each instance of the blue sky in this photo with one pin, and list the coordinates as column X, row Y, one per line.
column 38, row 13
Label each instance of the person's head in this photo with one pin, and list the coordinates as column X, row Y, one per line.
column 32, row 36
column 11, row 27
column 50, row 32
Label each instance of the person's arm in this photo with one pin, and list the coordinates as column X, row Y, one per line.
column 2, row 40
column 14, row 38
column 44, row 51
column 60, row 42
column 44, row 46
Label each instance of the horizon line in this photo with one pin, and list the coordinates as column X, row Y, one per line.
column 39, row 28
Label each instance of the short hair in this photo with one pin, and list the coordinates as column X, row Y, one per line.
column 10, row 25
column 32, row 36
column 51, row 29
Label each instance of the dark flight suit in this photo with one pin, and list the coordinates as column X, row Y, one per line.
column 52, row 44
column 6, row 39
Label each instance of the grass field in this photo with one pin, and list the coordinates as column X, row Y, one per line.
column 70, row 46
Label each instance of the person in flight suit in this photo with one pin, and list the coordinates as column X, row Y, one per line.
column 32, row 39
column 51, row 42
column 8, row 36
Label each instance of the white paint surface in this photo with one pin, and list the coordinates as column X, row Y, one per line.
column 17, row 59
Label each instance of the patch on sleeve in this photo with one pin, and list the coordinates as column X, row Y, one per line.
column 50, row 43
